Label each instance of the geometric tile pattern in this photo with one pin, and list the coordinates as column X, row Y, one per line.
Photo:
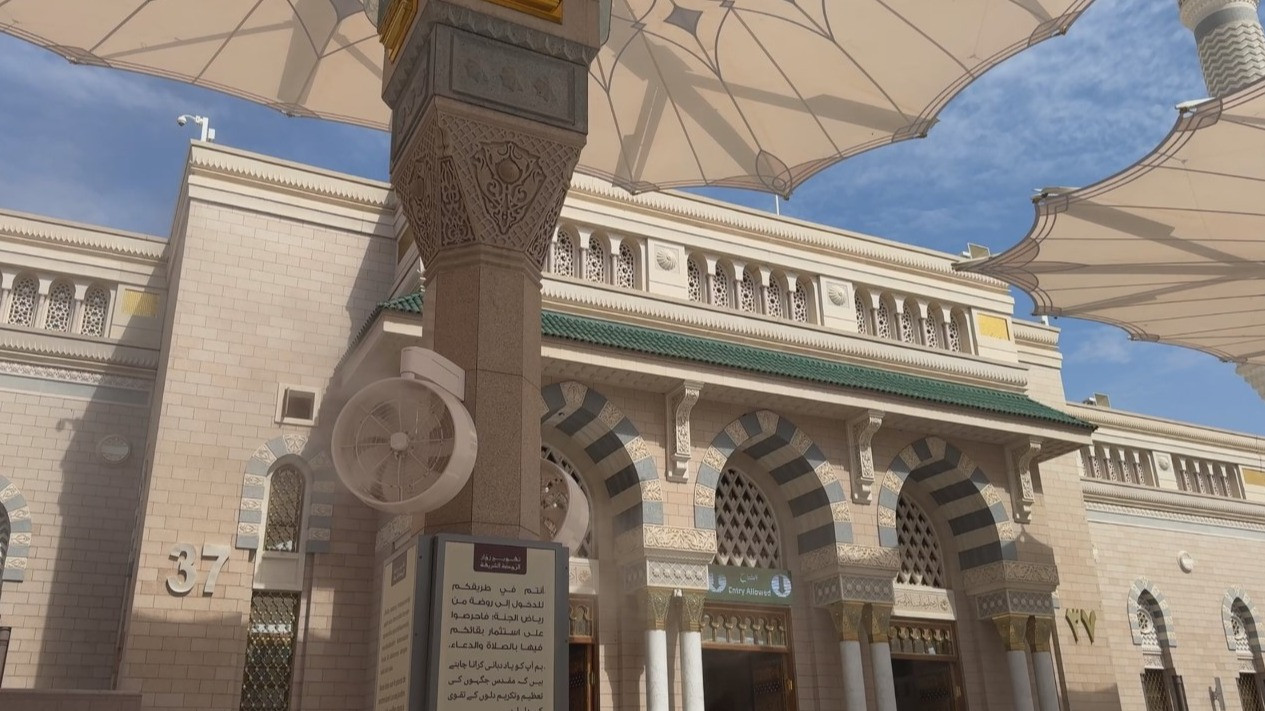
column 620, row 456
column 746, row 529
column 973, row 507
column 289, row 450
column 1149, row 616
column 1238, row 617
column 919, row 548
column 15, row 532
column 819, row 506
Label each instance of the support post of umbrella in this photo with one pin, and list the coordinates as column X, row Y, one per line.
column 490, row 112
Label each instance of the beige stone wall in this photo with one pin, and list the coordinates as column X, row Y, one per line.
column 65, row 614
column 1123, row 554
column 259, row 301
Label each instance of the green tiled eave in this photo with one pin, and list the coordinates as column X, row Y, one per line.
column 638, row 339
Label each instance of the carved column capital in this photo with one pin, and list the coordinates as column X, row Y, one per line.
column 847, row 617
column 1013, row 629
column 879, row 622
column 692, row 610
column 655, row 603
column 680, row 403
column 861, row 431
column 1039, row 629
column 1020, row 458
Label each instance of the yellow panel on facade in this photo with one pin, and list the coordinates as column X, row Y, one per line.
column 140, row 303
column 1253, row 477
column 993, row 327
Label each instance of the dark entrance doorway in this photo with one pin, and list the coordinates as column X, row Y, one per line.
column 582, row 661
column 925, row 666
column 747, row 660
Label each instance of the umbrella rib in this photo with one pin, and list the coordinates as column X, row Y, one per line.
column 306, row 33
column 135, row 11
column 228, row 38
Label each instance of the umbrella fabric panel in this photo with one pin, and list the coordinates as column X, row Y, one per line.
column 1171, row 249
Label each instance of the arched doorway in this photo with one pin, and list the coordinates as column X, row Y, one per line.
column 746, row 625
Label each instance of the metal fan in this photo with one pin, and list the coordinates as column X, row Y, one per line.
column 407, row 444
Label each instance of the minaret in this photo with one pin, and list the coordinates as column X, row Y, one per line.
column 1230, row 40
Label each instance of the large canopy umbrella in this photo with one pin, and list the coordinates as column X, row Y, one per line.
column 743, row 93
column 1171, row 249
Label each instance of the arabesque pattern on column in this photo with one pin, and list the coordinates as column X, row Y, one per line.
column 615, row 446
column 319, row 510
column 16, row 514
column 981, row 527
column 806, row 479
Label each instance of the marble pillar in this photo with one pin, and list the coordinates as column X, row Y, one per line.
column 1013, row 629
column 481, row 166
column 847, row 617
column 692, row 649
column 1039, row 629
column 879, row 623
column 656, row 602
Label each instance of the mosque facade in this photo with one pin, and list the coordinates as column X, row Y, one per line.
column 825, row 470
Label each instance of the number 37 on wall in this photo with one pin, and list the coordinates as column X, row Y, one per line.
column 186, row 576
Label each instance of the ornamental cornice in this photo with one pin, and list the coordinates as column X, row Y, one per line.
column 781, row 228
column 1174, row 505
column 1011, row 575
column 668, row 544
column 114, row 242
column 852, row 559
column 1034, row 334
column 309, row 181
column 70, row 375
column 42, row 347
column 1144, row 424
column 759, row 331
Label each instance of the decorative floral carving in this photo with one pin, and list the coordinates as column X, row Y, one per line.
column 692, row 610
column 1020, row 457
column 665, row 258
column 837, row 293
column 861, row 431
column 680, row 403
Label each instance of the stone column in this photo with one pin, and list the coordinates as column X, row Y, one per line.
column 1039, row 629
column 656, row 602
column 1230, row 41
column 847, row 619
column 489, row 116
column 692, row 649
column 1013, row 629
column 880, row 622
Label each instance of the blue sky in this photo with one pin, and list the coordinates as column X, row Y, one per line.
column 102, row 147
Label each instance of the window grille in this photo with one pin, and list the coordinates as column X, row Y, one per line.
column 285, row 511
column 625, row 267
column 94, row 311
column 954, row 337
column 863, row 316
column 22, row 303
column 587, row 548
column 60, row 300
column 799, row 302
column 1242, row 645
column 595, row 261
column 746, row 529
column 746, row 292
column 883, row 320
column 1250, row 693
column 5, row 532
column 773, row 298
column 906, row 325
column 1155, row 690
column 564, row 255
column 720, row 287
column 920, row 558
column 270, row 651
column 694, row 280
column 931, row 330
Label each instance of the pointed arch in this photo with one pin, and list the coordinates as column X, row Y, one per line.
column 15, row 530
column 319, row 501
column 818, row 504
column 616, row 447
column 1145, row 597
column 1237, row 603
column 696, row 283
column 976, row 516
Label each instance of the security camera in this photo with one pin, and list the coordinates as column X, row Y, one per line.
column 182, row 120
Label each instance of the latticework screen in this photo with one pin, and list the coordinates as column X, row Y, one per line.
column 270, row 651
column 746, row 529
column 920, row 558
column 285, row 511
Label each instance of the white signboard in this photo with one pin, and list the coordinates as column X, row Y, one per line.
column 395, row 632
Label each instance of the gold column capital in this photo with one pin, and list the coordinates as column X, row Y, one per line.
column 1039, row 629
column 1013, row 629
column 879, row 622
column 847, row 617
column 655, row 604
column 692, row 610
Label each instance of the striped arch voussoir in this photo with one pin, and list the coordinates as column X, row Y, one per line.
column 17, row 513
column 1143, row 592
column 805, row 478
column 615, row 446
column 1237, row 600
column 320, row 498
column 981, row 528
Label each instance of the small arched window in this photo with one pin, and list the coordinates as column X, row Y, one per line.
column 931, row 327
column 61, row 299
column 694, row 279
column 564, row 255
column 921, row 562
column 748, row 287
column 746, row 529
column 908, row 315
column 775, row 297
column 595, row 260
column 883, row 318
column 861, row 303
column 720, row 287
column 625, row 266
column 5, row 533
column 955, row 331
column 285, row 511
column 799, row 301
column 95, row 306
column 22, row 302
